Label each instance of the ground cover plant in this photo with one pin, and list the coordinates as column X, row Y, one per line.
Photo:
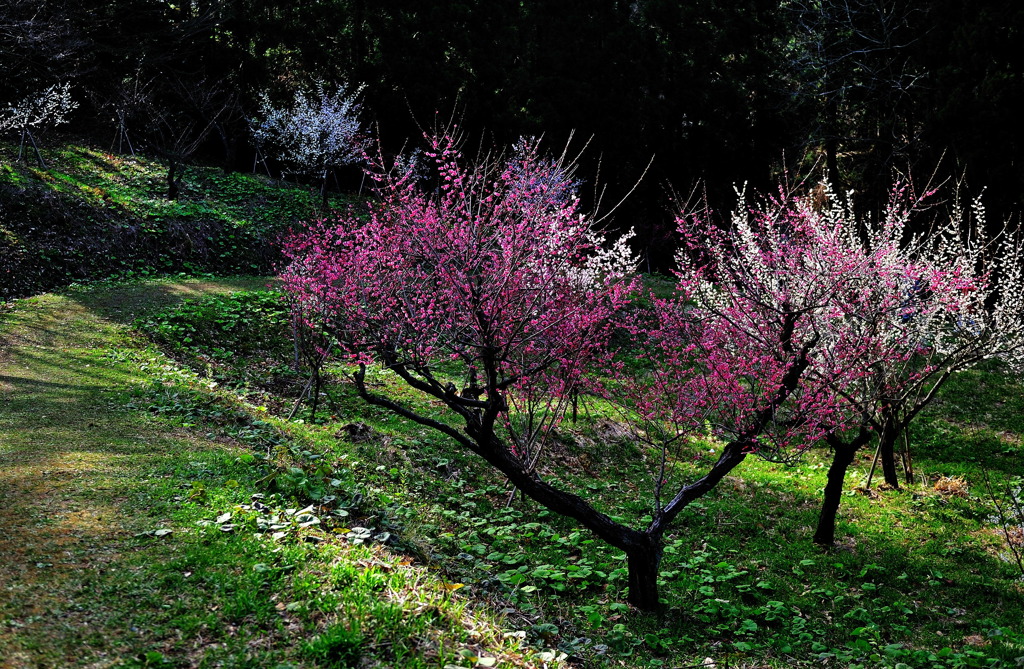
column 918, row 578
column 921, row 577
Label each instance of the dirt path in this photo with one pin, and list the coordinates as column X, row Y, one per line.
column 73, row 464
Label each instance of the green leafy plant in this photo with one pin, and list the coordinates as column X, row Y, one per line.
column 337, row 647
column 223, row 326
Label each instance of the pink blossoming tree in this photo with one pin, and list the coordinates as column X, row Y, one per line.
column 485, row 290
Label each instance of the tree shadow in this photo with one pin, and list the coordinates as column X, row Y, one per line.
column 126, row 302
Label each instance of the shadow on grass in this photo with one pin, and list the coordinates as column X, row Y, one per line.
column 901, row 570
column 80, row 477
column 124, row 303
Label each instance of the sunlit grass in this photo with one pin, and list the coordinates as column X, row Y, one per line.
column 90, row 214
column 117, row 549
column 418, row 545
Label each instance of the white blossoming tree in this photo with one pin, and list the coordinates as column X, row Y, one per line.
column 49, row 107
column 318, row 131
column 983, row 323
column 962, row 304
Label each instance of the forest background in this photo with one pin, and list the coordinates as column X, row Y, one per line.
column 716, row 93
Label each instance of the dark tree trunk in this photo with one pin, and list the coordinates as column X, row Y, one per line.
column 832, row 164
column 318, row 383
column 887, row 452
column 230, row 145
column 843, row 453
column 173, row 182
column 296, row 345
column 644, row 562
column 831, row 129
column 643, row 548
column 842, row 458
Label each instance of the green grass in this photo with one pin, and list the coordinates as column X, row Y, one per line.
column 919, row 577
column 351, row 537
column 146, row 533
column 90, row 214
column 136, row 186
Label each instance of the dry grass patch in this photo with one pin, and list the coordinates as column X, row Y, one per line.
column 951, row 486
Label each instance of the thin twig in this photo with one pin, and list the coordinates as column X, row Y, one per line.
column 1003, row 521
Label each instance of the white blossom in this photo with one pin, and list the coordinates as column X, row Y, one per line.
column 48, row 107
column 983, row 320
column 317, row 131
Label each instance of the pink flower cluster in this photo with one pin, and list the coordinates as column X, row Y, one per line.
column 492, row 272
column 485, row 288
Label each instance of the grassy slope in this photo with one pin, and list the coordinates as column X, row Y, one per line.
column 135, row 186
column 92, row 214
column 91, row 485
column 916, row 581
column 104, row 563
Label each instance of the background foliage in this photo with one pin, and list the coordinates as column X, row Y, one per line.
column 718, row 92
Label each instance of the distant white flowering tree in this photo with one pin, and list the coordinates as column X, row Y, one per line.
column 49, row 107
column 318, row 131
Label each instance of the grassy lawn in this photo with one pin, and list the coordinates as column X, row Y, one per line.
column 135, row 186
column 132, row 541
column 161, row 510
